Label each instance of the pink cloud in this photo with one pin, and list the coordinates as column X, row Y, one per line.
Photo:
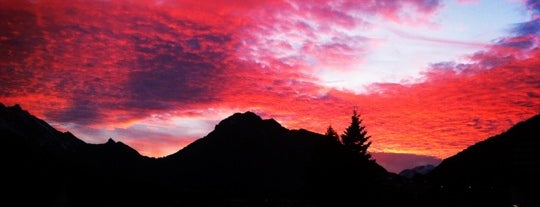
column 106, row 64
column 405, row 34
column 467, row 1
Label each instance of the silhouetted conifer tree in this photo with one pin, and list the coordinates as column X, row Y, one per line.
column 330, row 132
column 354, row 138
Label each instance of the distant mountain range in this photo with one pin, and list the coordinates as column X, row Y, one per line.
column 417, row 171
column 248, row 161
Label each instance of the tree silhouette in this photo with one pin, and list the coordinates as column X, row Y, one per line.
column 354, row 138
column 330, row 132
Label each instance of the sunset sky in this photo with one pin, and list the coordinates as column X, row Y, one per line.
column 429, row 77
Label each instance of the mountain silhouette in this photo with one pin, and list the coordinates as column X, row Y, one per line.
column 503, row 170
column 244, row 161
column 250, row 161
column 416, row 171
column 46, row 167
column 246, row 155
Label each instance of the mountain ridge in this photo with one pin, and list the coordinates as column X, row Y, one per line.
column 417, row 171
column 244, row 157
column 250, row 161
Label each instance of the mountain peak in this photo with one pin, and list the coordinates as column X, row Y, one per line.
column 110, row 141
column 16, row 107
column 239, row 119
column 248, row 120
column 18, row 121
column 246, row 116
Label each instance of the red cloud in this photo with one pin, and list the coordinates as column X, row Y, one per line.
column 96, row 64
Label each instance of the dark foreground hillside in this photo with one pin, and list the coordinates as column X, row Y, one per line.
column 503, row 170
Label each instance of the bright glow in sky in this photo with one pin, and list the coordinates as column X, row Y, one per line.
column 429, row 77
column 401, row 51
